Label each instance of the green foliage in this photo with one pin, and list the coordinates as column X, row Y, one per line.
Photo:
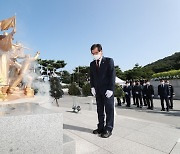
column 74, row 90
column 86, row 89
column 173, row 74
column 119, row 73
column 118, row 91
column 51, row 64
column 65, row 77
column 168, row 63
column 80, row 75
column 55, row 88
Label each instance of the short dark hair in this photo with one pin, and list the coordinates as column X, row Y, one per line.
column 96, row 46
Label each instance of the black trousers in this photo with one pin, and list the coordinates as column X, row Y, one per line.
column 128, row 100
column 171, row 101
column 119, row 101
column 150, row 102
column 145, row 100
column 139, row 99
column 162, row 102
column 134, row 99
column 105, row 106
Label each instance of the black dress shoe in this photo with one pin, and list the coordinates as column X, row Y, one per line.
column 106, row 134
column 162, row 109
column 97, row 131
column 148, row 108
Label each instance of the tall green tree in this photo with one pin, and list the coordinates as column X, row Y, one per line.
column 51, row 65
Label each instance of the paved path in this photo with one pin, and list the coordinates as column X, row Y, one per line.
column 135, row 132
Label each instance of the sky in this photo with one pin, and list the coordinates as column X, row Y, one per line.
column 130, row 31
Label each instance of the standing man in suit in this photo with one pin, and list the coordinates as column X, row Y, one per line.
column 163, row 93
column 133, row 93
column 171, row 94
column 144, row 94
column 138, row 92
column 127, row 91
column 149, row 91
column 102, row 80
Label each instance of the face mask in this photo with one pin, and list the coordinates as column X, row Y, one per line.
column 96, row 57
column 148, row 83
column 162, row 82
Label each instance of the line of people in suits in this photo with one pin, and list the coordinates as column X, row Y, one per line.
column 142, row 94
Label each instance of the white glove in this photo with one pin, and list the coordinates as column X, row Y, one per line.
column 152, row 95
column 93, row 91
column 109, row 93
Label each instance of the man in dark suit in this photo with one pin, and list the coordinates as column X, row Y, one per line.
column 127, row 91
column 138, row 92
column 149, row 91
column 163, row 93
column 102, row 80
column 171, row 94
column 133, row 93
column 144, row 94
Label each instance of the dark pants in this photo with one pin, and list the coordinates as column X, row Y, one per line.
column 134, row 99
column 145, row 100
column 119, row 101
column 171, row 102
column 138, row 99
column 128, row 100
column 150, row 102
column 107, row 105
column 162, row 102
column 124, row 99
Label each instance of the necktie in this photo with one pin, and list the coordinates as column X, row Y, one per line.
column 97, row 63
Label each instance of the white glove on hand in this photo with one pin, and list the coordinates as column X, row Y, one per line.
column 109, row 93
column 93, row 91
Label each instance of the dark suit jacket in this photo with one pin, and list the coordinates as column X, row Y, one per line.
column 133, row 89
column 149, row 90
column 102, row 79
column 138, row 90
column 171, row 90
column 163, row 91
column 127, row 90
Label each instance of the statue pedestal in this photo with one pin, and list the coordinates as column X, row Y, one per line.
column 29, row 128
column 29, row 92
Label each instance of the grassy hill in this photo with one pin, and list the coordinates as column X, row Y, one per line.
column 168, row 63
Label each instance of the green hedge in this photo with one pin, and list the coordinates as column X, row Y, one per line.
column 173, row 74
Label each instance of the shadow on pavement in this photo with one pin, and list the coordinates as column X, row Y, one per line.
column 156, row 110
column 81, row 129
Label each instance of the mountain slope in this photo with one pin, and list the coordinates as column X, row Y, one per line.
column 168, row 63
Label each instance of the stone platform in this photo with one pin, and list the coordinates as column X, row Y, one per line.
column 29, row 128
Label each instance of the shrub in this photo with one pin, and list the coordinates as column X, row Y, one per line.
column 118, row 91
column 74, row 90
column 86, row 89
column 55, row 88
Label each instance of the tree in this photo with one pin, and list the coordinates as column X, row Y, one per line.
column 74, row 90
column 119, row 73
column 65, row 77
column 51, row 65
column 55, row 89
column 86, row 89
column 80, row 75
